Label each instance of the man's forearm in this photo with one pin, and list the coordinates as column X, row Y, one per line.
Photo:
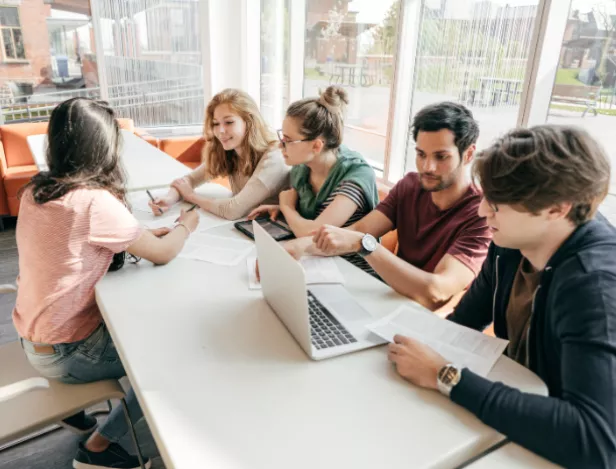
column 406, row 279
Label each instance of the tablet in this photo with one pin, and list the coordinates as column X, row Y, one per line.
column 275, row 230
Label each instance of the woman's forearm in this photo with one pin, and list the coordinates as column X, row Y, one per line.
column 298, row 224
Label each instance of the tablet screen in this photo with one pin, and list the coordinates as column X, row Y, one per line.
column 274, row 230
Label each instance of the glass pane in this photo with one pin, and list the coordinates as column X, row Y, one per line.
column 475, row 53
column 9, row 16
column 61, row 59
column 153, row 62
column 584, row 93
column 274, row 60
column 18, row 40
column 352, row 44
column 7, row 40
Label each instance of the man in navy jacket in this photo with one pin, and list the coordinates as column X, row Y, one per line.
column 549, row 286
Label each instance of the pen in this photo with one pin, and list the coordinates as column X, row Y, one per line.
column 189, row 210
column 160, row 210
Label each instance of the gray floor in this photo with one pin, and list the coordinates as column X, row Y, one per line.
column 55, row 451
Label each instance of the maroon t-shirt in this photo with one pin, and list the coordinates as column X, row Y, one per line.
column 426, row 233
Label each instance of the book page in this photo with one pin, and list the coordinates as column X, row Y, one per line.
column 458, row 344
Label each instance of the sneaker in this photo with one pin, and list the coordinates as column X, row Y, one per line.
column 113, row 457
column 80, row 423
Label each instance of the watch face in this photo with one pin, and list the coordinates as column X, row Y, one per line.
column 369, row 243
column 449, row 375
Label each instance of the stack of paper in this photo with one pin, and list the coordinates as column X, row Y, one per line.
column 215, row 249
column 318, row 270
column 458, row 344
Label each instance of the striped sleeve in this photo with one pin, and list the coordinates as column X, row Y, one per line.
column 352, row 191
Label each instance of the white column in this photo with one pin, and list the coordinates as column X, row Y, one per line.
column 297, row 39
column 401, row 98
column 230, row 45
column 543, row 61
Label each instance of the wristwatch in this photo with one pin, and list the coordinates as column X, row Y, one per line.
column 447, row 378
column 368, row 245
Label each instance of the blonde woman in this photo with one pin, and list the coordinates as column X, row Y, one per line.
column 239, row 146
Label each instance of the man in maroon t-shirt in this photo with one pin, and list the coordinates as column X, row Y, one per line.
column 442, row 240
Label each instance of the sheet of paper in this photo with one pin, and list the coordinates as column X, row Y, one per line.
column 458, row 344
column 207, row 221
column 319, row 270
column 215, row 249
column 139, row 200
column 166, row 220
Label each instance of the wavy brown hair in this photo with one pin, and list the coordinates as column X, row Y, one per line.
column 545, row 165
column 84, row 145
column 258, row 140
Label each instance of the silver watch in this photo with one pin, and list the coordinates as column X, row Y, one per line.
column 447, row 378
column 368, row 245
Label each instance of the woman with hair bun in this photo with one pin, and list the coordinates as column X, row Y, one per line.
column 330, row 184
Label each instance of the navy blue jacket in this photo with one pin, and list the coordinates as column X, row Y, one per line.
column 571, row 347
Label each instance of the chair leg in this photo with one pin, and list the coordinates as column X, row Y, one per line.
column 109, row 406
column 133, row 434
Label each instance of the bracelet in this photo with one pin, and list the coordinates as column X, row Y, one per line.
column 185, row 227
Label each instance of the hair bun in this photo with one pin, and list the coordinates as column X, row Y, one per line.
column 334, row 99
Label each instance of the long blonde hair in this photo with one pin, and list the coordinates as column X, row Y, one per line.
column 257, row 141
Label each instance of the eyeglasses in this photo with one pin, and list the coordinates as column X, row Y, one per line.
column 284, row 142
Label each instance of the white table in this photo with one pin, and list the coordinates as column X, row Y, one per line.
column 223, row 384
column 512, row 456
column 146, row 166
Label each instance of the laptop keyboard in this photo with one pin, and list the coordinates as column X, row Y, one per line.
column 325, row 330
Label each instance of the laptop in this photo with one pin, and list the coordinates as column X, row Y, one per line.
column 325, row 320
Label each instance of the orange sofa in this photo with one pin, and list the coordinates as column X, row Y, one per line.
column 187, row 150
column 17, row 164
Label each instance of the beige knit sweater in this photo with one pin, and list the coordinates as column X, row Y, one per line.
column 269, row 178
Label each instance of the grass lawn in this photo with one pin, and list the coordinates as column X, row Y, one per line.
column 568, row 76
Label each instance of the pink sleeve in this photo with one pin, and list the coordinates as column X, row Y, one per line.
column 112, row 226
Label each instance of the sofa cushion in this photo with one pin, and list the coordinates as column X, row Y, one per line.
column 184, row 149
column 14, row 140
column 18, row 176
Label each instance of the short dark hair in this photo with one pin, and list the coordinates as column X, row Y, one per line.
column 543, row 166
column 447, row 115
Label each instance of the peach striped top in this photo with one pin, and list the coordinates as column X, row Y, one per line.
column 65, row 247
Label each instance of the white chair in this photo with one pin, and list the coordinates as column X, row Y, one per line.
column 29, row 402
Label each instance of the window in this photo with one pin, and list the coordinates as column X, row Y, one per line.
column 475, row 53
column 275, row 71
column 584, row 92
column 12, row 40
column 353, row 44
column 61, row 59
column 153, row 62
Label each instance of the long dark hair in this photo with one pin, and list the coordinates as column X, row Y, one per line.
column 84, row 145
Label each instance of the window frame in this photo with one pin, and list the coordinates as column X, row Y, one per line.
column 13, row 42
